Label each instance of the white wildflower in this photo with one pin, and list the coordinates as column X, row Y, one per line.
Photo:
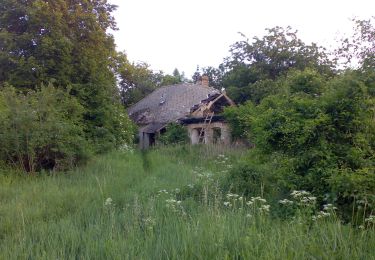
column 300, row 193
column 260, row 199
column 108, row 202
column 264, row 208
column 370, row 219
column 227, row 204
column 286, row 202
column 175, row 205
column 149, row 223
column 320, row 215
column 303, row 198
column 329, row 207
column 126, row 148
column 230, row 195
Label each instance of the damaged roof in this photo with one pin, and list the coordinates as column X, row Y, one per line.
column 170, row 103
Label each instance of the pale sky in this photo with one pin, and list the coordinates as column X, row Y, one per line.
column 182, row 34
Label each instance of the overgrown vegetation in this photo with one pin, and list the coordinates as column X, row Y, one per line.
column 64, row 44
column 174, row 208
column 174, row 134
column 41, row 129
column 307, row 189
column 314, row 131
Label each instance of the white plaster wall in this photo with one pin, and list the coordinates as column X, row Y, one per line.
column 225, row 137
column 194, row 135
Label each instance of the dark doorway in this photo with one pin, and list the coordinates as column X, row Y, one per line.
column 216, row 135
column 201, row 132
column 152, row 139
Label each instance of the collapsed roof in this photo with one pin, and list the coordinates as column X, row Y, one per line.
column 170, row 103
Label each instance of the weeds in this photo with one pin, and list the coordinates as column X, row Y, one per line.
column 177, row 209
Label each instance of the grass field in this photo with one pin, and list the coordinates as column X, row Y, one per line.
column 163, row 204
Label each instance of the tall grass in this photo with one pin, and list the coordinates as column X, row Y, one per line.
column 162, row 204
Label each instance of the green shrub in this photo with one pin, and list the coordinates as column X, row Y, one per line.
column 239, row 119
column 250, row 179
column 175, row 134
column 41, row 129
column 320, row 137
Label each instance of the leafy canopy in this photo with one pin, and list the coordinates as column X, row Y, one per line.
column 65, row 43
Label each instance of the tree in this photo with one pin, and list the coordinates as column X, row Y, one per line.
column 136, row 80
column 319, row 134
column 175, row 78
column 41, row 129
column 65, row 43
column 360, row 48
column 253, row 65
column 358, row 52
column 214, row 75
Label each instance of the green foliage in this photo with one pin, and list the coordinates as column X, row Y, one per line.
column 178, row 77
column 66, row 43
column 351, row 111
column 239, row 118
column 175, row 78
column 360, row 47
column 252, row 179
column 277, row 52
column 137, row 80
column 41, row 129
column 175, row 134
column 321, row 134
column 237, row 81
column 253, row 69
column 318, row 129
column 308, row 81
column 214, row 75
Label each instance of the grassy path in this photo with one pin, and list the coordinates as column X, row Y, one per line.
column 127, row 206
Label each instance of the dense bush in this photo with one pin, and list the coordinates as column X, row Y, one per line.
column 66, row 43
column 175, row 134
column 41, row 129
column 320, row 134
column 251, row 179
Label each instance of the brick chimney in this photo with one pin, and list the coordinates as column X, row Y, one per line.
column 205, row 81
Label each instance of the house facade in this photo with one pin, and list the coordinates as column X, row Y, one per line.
column 196, row 106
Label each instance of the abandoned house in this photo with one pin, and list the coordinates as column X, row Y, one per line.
column 196, row 106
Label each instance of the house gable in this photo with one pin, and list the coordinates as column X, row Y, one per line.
column 214, row 104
